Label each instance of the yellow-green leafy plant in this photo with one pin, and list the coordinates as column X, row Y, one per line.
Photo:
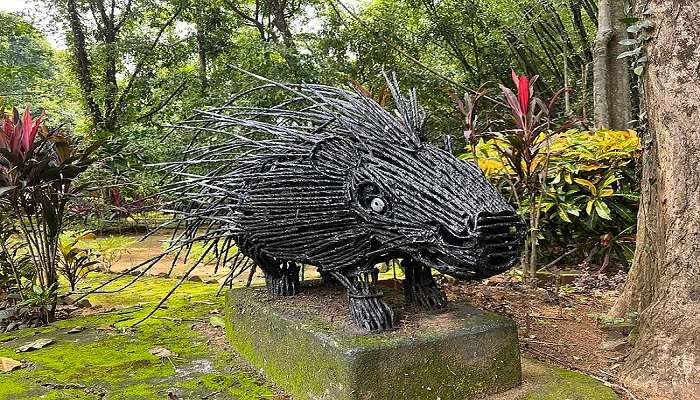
column 75, row 258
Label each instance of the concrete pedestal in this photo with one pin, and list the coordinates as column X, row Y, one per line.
column 459, row 353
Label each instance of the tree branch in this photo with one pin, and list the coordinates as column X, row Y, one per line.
column 139, row 65
column 163, row 103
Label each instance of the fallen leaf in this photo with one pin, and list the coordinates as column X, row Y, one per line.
column 76, row 329
column 217, row 322
column 162, row 352
column 35, row 345
column 9, row 364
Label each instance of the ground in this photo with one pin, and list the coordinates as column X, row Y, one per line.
column 109, row 359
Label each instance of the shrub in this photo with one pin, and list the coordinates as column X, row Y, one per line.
column 75, row 259
column 37, row 169
column 589, row 202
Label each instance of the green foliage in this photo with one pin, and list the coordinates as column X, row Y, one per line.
column 75, row 259
column 32, row 72
column 591, row 195
column 15, row 263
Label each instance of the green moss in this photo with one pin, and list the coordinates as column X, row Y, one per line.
column 142, row 391
column 117, row 361
column 11, row 388
column 554, row 383
column 237, row 385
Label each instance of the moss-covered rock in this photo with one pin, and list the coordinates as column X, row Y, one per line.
column 466, row 353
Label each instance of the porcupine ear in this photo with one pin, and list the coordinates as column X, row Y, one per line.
column 334, row 156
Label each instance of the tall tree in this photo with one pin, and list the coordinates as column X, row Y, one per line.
column 114, row 51
column 612, row 107
column 664, row 282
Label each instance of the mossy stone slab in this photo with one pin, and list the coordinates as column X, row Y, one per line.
column 460, row 353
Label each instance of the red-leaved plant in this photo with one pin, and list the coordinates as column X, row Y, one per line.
column 37, row 170
column 520, row 146
column 18, row 133
column 530, row 137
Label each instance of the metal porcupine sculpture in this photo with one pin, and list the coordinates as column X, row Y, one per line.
column 329, row 178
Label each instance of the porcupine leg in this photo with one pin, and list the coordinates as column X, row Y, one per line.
column 420, row 288
column 281, row 277
column 367, row 306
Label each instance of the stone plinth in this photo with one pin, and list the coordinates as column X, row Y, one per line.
column 308, row 347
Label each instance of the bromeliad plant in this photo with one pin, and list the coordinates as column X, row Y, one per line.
column 37, row 170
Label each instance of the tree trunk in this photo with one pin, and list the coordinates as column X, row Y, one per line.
column 612, row 107
column 82, row 62
column 664, row 282
column 202, row 57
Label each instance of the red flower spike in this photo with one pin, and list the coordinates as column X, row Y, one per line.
column 522, row 84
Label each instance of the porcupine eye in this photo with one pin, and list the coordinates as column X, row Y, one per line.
column 370, row 197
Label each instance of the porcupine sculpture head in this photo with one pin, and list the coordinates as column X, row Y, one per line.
column 327, row 177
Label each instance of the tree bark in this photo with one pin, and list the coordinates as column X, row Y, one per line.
column 612, row 106
column 664, row 282
column 202, row 57
column 82, row 62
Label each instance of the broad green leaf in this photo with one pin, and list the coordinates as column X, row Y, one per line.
column 563, row 216
column 630, row 53
column 589, row 207
column 602, row 210
column 606, row 192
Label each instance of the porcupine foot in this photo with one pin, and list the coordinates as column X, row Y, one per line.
column 420, row 288
column 282, row 280
column 367, row 306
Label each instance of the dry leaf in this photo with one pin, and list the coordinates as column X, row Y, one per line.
column 162, row 352
column 8, row 364
column 35, row 345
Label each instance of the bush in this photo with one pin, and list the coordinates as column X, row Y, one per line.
column 37, row 170
column 589, row 199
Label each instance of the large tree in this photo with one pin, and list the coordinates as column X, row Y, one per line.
column 664, row 282
column 117, row 47
column 611, row 89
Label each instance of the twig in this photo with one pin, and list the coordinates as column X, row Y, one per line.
column 179, row 319
column 544, row 343
column 547, row 317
